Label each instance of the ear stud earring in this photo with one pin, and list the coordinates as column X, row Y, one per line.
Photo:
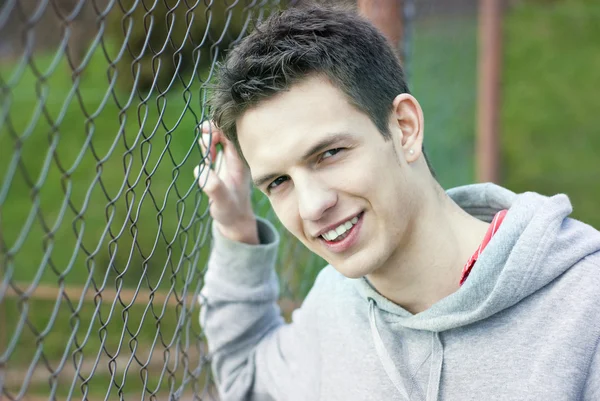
column 411, row 152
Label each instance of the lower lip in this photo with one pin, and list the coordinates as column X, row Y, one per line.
column 348, row 241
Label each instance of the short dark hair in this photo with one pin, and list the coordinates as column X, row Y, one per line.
column 306, row 41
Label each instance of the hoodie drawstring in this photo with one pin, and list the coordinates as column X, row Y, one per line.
column 435, row 371
column 390, row 368
column 384, row 357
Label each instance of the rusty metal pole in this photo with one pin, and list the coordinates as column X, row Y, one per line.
column 387, row 16
column 488, row 96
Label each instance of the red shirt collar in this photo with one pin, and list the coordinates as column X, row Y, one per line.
column 494, row 226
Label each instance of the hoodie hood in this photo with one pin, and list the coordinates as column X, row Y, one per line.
column 536, row 243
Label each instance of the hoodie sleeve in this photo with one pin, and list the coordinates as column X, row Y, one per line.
column 591, row 391
column 255, row 355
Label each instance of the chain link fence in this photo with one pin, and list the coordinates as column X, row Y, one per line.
column 104, row 234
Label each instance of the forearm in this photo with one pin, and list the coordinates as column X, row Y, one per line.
column 245, row 232
column 239, row 305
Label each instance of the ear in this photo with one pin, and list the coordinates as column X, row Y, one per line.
column 407, row 116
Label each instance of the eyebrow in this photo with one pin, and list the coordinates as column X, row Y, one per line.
column 316, row 148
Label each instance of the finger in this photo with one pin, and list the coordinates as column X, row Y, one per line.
column 208, row 148
column 210, row 183
column 217, row 136
column 209, row 127
column 210, row 137
column 210, row 130
column 219, row 168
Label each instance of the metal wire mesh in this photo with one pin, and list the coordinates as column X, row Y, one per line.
column 103, row 232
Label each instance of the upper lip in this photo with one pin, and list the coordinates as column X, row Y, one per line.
column 335, row 225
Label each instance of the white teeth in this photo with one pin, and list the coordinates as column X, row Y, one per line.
column 341, row 229
column 331, row 235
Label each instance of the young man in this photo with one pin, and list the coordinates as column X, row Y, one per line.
column 423, row 299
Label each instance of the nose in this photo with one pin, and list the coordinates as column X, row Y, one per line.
column 314, row 198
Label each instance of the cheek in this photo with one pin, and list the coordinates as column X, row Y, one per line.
column 286, row 210
column 374, row 175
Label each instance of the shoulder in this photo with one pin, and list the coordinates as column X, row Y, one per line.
column 593, row 259
column 588, row 269
column 578, row 243
column 577, row 290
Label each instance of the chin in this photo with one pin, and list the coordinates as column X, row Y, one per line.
column 352, row 270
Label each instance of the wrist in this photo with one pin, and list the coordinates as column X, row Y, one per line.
column 245, row 231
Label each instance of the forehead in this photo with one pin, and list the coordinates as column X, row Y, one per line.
column 279, row 130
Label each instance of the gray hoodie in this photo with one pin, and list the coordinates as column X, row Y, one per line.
column 524, row 326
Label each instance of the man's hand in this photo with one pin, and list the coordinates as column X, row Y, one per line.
column 227, row 185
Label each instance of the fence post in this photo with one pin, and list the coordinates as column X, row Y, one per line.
column 488, row 96
column 387, row 16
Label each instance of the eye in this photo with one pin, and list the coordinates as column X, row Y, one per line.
column 277, row 182
column 331, row 152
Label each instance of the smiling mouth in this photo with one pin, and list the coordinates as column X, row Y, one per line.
column 342, row 231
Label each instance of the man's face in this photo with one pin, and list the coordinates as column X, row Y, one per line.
column 332, row 179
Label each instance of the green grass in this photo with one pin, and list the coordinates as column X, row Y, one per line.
column 550, row 119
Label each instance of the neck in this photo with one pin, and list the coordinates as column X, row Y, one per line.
column 428, row 266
